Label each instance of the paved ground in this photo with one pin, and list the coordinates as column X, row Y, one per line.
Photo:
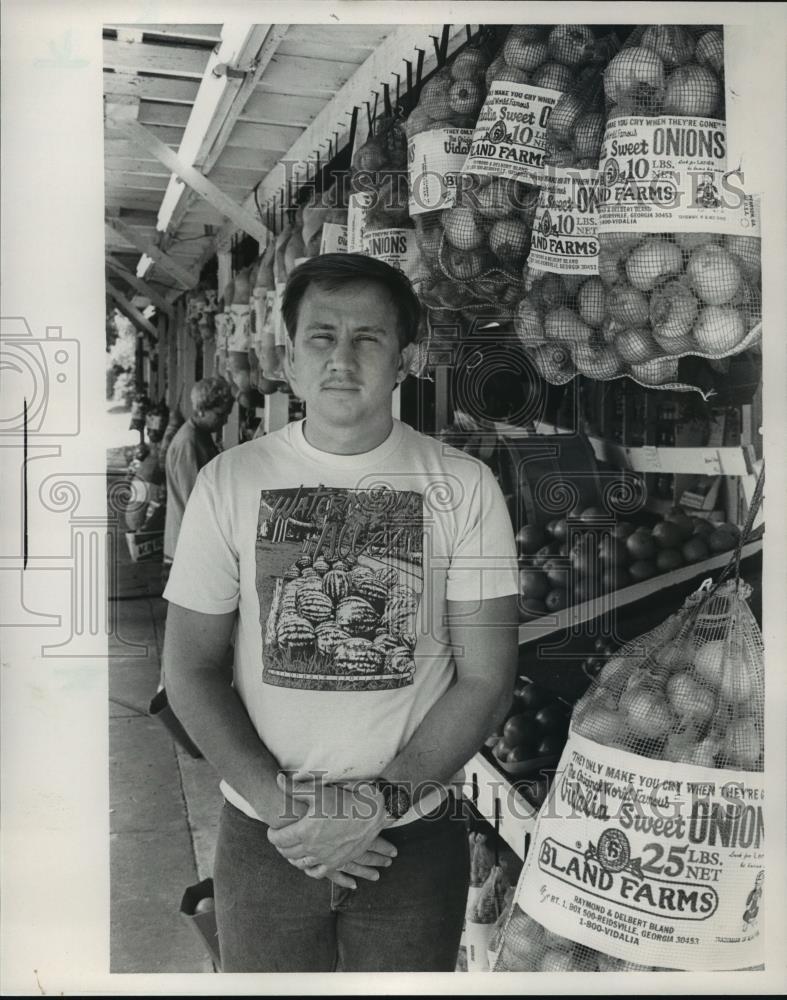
column 164, row 803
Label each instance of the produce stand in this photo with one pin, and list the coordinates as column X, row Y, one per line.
column 225, row 178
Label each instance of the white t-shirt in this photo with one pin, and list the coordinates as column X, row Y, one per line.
column 340, row 567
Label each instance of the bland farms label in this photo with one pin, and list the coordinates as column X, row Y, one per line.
column 435, row 160
column 510, row 135
column 647, row 866
column 564, row 236
column 667, row 173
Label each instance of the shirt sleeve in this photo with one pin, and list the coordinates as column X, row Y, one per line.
column 205, row 573
column 483, row 562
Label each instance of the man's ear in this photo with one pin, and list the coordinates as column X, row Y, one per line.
column 288, row 363
column 406, row 356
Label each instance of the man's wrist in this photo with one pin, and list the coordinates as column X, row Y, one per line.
column 396, row 799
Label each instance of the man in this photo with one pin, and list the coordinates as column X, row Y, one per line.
column 371, row 573
column 192, row 447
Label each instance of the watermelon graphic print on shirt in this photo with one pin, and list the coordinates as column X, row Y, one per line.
column 339, row 575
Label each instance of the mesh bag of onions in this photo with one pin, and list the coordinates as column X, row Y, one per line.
column 482, row 917
column 668, row 69
column 658, row 298
column 379, row 191
column 649, row 851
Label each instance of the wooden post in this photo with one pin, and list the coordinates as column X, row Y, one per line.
column 277, row 411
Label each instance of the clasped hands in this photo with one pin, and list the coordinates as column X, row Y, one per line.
column 334, row 832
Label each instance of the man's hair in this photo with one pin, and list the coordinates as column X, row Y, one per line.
column 211, row 394
column 335, row 270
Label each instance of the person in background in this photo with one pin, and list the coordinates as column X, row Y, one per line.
column 370, row 572
column 192, row 447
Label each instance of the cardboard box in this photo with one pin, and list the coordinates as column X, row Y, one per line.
column 196, row 909
column 145, row 546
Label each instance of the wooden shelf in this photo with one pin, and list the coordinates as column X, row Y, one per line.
column 576, row 615
column 517, row 817
column 729, row 461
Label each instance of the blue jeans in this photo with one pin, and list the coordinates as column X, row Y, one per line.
column 273, row 918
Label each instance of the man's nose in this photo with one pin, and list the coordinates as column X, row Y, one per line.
column 342, row 356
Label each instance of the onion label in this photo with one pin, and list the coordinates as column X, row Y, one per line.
column 435, row 159
column 334, row 238
column 359, row 204
column 510, row 135
column 670, row 173
column 396, row 247
column 649, row 862
column 564, row 236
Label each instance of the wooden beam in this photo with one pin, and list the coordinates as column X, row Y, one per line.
column 181, row 32
column 384, row 61
column 156, row 255
column 141, row 286
column 168, row 60
column 240, row 216
column 131, row 312
column 259, row 49
column 151, row 88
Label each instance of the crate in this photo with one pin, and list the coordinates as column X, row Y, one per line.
column 145, row 546
column 201, row 917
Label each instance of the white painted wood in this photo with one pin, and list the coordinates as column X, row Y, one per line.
column 339, row 36
column 277, row 411
column 141, row 286
column 609, row 603
column 150, row 87
column 185, row 32
column 130, row 164
column 158, row 256
column 241, row 217
column 170, row 135
column 517, row 817
column 224, row 262
column 386, row 59
column 261, row 138
column 328, row 50
column 256, row 52
column 136, row 180
column 154, row 113
column 282, row 109
column 131, row 311
column 293, row 75
column 168, row 60
column 238, row 158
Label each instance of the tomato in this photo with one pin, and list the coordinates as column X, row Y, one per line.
column 552, row 718
column 501, row 750
column 519, row 753
column 542, row 556
column 668, row 535
column 520, row 730
column 550, row 745
column 643, row 569
column 533, row 696
column 668, row 560
column 721, row 540
column 559, row 530
column 594, row 514
column 531, row 609
column 530, row 538
column 695, row 550
column 556, row 600
column 640, row 545
column 533, row 584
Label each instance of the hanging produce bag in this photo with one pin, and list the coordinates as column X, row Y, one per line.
column 324, row 210
column 536, row 66
column 482, row 917
column 636, row 863
column 575, row 127
column 440, row 127
column 378, row 178
column 679, row 240
column 269, row 357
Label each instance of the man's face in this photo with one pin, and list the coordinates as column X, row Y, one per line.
column 214, row 419
column 345, row 356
